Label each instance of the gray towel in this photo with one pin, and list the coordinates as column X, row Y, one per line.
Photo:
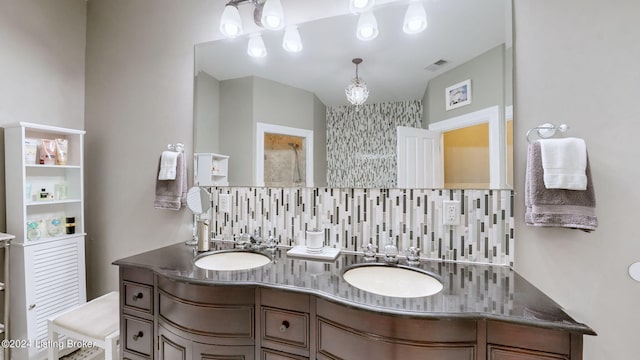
column 172, row 194
column 557, row 207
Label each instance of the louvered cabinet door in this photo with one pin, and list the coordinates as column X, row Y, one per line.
column 55, row 281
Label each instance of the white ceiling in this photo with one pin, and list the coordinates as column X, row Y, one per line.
column 394, row 62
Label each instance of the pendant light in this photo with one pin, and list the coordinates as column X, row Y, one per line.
column 272, row 15
column 230, row 23
column 291, row 41
column 357, row 92
column 367, row 28
column 256, row 47
column 415, row 19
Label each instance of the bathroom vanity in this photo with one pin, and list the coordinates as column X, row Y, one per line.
column 295, row 308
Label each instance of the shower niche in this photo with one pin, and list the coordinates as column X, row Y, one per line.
column 284, row 156
column 284, row 160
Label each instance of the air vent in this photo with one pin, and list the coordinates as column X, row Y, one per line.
column 437, row 65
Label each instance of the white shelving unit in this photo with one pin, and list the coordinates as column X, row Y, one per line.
column 211, row 169
column 47, row 271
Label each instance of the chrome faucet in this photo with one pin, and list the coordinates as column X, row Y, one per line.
column 255, row 239
column 390, row 253
column 369, row 251
column 413, row 255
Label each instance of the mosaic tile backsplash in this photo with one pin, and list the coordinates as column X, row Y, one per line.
column 354, row 217
column 361, row 144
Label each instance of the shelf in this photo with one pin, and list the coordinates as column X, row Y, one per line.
column 51, row 239
column 52, row 202
column 40, row 166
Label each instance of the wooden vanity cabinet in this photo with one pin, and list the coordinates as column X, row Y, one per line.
column 167, row 319
column 347, row 333
column 285, row 325
column 507, row 341
column 136, row 313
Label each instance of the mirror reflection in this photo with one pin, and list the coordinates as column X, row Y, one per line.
column 438, row 114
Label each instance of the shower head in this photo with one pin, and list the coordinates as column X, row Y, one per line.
column 294, row 145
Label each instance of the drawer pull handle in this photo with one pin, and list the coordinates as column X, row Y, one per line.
column 138, row 296
column 284, row 326
column 138, row 336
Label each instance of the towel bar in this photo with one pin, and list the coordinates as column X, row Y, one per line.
column 547, row 130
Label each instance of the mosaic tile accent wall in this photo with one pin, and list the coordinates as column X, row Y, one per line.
column 361, row 145
column 353, row 217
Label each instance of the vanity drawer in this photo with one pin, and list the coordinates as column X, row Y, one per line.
column 283, row 327
column 138, row 336
column 138, row 297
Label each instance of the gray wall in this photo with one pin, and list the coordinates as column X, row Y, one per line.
column 41, row 67
column 486, row 72
column 207, row 107
column 575, row 63
column 237, row 127
column 249, row 100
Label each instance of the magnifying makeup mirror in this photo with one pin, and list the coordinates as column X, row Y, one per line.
column 198, row 202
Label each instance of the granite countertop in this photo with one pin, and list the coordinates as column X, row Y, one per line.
column 471, row 291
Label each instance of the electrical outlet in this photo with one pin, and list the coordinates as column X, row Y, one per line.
column 224, row 203
column 451, row 212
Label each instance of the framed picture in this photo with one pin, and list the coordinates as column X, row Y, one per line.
column 458, row 95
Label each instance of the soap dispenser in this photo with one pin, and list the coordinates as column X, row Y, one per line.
column 204, row 236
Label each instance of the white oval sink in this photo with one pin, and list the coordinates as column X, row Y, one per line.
column 231, row 260
column 393, row 281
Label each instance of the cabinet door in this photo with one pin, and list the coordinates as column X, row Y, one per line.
column 55, row 281
column 172, row 347
column 508, row 353
column 268, row 354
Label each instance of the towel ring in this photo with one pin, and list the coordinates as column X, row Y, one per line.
column 547, row 130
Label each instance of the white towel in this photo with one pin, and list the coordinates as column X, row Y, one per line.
column 564, row 163
column 168, row 165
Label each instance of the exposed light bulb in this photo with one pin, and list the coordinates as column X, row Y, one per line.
column 415, row 19
column 272, row 15
column 291, row 41
column 230, row 23
column 367, row 28
column 256, row 47
column 358, row 6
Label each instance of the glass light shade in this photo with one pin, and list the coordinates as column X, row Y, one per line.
column 357, row 92
column 358, row 6
column 256, row 47
column 367, row 27
column 272, row 15
column 291, row 41
column 230, row 23
column 415, row 19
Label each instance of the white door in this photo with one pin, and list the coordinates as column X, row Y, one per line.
column 420, row 163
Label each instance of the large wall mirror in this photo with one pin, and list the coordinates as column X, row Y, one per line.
column 439, row 112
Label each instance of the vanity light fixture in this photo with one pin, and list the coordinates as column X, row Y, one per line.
column 230, row 23
column 291, row 41
column 367, row 28
column 415, row 19
column 256, row 47
column 272, row 15
column 266, row 13
column 358, row 6
column 357, row 92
